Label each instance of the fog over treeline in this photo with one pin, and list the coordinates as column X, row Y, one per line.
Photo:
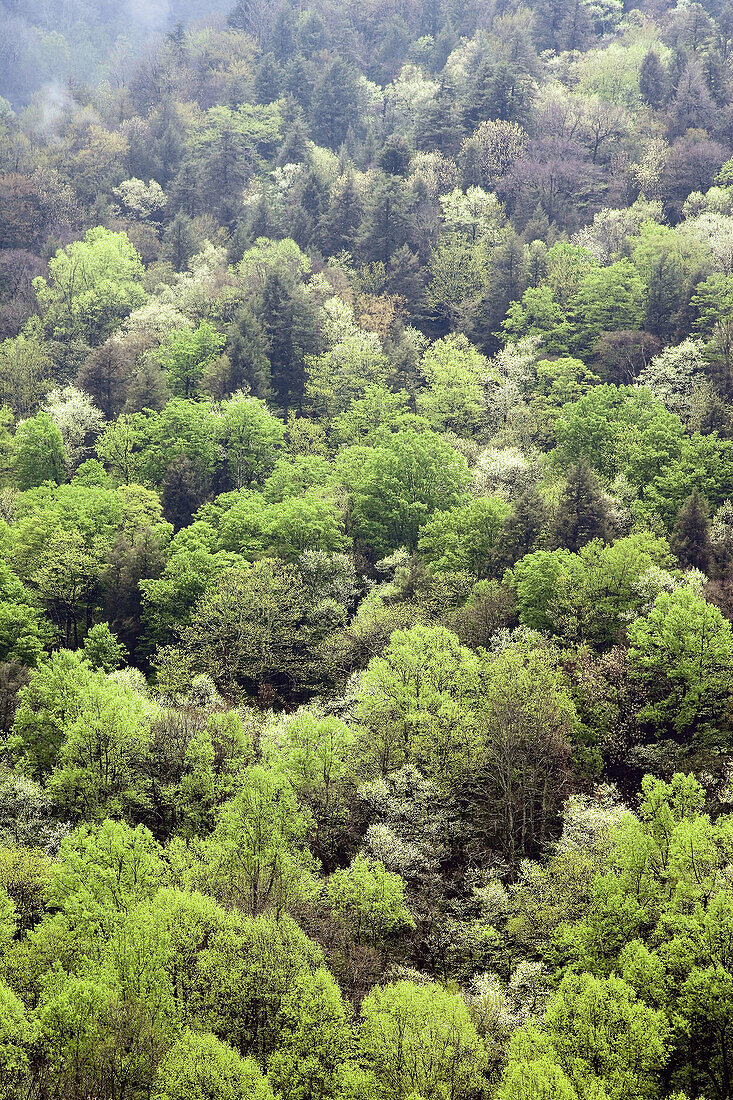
column 54, row 41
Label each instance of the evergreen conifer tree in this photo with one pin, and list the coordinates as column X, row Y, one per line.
column 583, row 512
column 690, row 539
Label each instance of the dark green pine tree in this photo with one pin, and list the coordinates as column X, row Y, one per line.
column 575, row 31
column 394, row 38
column 295, row 148
column 405, row 276
column 299, row 80
column 180, row 242
column 247, row 350
column 312, row 195
column 224, row 173
column 148, row 388
column 313, row 34
column 431, row 18
column 561, row 25
column 334, row 105
column 508, row 281
column 281, row 40
column 508, row 269
column 177, row 42
column 341, row 219
column 268, row 80
column 168, row 138
column 186, row 190
column 395, row 156
column 692, row 107
column 386, row 226
column 715, row 73
column 300, row 226
column 472, row 174
column 476, row 105
column 538, row 229
column 291, row 328
column 583, row 512
column 445, row 42
column 498, row 91
column 182, row 493
column 653, row 80
column 508, row 98
column 305, row 210
column 438, row 125
column 259, row 222
column 676, row 65
column 690, row 538
column 241, row 16
column 527, row 521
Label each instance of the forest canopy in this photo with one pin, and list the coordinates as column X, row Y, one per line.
column 366, row 550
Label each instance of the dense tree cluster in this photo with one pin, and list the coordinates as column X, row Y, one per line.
column 366, row 550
